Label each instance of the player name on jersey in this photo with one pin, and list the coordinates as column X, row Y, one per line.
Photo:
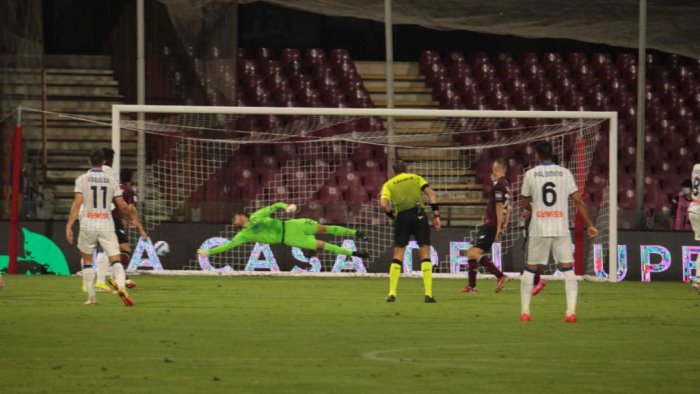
column 549, row 173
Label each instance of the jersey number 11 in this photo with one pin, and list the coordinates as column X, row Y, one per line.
column 94, row 196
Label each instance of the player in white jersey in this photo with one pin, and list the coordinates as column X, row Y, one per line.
column 95, row 191
column 546, row 190
column 694, row 216
column 101, row 259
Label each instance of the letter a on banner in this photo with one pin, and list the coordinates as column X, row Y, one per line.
column 268, row 262
column 137, row 260
column 341, row 262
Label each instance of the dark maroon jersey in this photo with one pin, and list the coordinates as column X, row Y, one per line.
column 500, row 193
column 129, row 198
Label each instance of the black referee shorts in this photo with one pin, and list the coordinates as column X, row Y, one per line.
column 119, row 230
column 484, row 238
column 409, row 223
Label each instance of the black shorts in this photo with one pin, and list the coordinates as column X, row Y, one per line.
column 485, row 238
column 409, row 223
column 119, row 230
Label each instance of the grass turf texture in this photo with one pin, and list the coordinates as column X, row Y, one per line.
column 272, row 334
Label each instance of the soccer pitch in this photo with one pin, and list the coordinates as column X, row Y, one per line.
column 320, row 335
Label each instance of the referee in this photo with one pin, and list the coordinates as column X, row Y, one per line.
column 404, row 191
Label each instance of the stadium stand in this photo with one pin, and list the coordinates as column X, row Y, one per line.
column 476, row 80
column 80, row 85
column 554, row 81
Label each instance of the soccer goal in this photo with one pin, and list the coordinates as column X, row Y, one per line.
column 211, row 161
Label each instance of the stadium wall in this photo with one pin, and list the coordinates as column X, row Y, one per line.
column 45, row 248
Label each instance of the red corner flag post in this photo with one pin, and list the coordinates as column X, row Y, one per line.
column 580, row 225
column 14, row 207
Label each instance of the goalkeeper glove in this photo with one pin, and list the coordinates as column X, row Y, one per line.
column 203, row 252
column 291, row 208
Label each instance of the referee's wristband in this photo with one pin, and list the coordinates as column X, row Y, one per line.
column 390, row 214
column 436, row 208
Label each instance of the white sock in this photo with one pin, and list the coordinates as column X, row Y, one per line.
column 119, row 274
column 89, row 280
column 571, row 286
column 526, row 282
column 102, row 265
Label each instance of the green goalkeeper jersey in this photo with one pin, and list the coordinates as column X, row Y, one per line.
column 261, row 228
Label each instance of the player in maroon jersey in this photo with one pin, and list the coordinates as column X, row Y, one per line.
column 121, row 224
column 680, row 219
column 494, row 225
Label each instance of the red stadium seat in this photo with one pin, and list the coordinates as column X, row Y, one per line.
column 349, row 180
column 457, row 58
column 600, row 59
column 264, row 54
column 242, row 177
column 477, row 58
column 627, row 199
column 625, row 60
column 313, row 210
column 329, row 194
column 373, row 181
column 356, row 195
column 343, row 169
column 266, row 174
column 427, row 58
column 289, row 55
column 293, row 68
column 550, row 59
column 336, row 213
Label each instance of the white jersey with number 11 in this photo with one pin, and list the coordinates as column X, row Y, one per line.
column 98, row 189
column 549, row 186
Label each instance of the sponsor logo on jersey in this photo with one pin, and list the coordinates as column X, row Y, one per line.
column 98, row 215
column 550, row 214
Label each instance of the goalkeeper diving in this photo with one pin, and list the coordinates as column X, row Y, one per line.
column 261, row 227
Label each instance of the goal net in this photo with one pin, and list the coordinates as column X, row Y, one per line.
column 205, row 163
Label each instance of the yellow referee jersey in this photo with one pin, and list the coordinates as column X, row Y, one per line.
column 404, row 191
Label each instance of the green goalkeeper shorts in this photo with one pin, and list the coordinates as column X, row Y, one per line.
column 300, row 233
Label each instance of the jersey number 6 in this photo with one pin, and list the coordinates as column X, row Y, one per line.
column 549, row 195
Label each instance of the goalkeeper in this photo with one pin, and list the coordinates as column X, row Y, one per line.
column 260, row 227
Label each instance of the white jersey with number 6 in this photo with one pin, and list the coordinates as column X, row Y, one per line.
column 549, row 186
column 98, row 189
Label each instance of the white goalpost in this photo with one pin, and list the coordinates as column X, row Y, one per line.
column 202, row 148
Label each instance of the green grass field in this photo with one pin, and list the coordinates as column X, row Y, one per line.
column 294, row 335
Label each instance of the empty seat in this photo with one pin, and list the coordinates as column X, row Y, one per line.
column 349, row 180
column 330, row 194
column 313, row 210
column 336, row 213
column 373, row 180
column 288, row 55
column 356, row 195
